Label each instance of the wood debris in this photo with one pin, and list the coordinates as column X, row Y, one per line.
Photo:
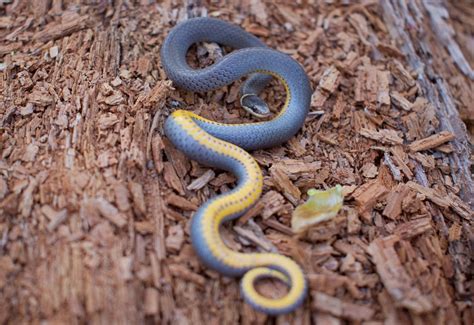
column 200, row 182
column 444, row 201
column 393, row 209
column 327, row 85
column 367, row 195
column 432, row 141
column 55, row 31
column 399, row 101
column 383, row 136
column 339, row 308
column 96, row 203
column 413, row 228
column 284, row 184
column 395, row 278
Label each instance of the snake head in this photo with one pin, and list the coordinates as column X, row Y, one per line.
column 254, row 105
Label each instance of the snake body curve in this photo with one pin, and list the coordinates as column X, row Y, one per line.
column 224, row 146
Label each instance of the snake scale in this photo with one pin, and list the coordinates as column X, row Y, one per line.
column 225, row 146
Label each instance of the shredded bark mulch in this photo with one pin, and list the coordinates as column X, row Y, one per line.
column 95, row 202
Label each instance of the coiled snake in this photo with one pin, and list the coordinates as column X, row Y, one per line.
column 224, row 146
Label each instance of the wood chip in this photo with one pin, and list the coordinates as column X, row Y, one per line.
column 367, row 195
column 339, row 308
column 400, row 158
column 110, row 212
column 393, row 209
column 384, row 136
column 175, row 239
column 432, row 141
column 270, row 204
column 284, row 184
column 413, row 228
column 329, row 80
column 5, row 49
column 444, row 201
column 200, row 182
column 399, row 101
column 400, row 72
column 122, row 196
column 138, row 197
column 395, row 278
column 57, row 219
column 55, row 31
column 254, row 238
column 180, row 202
column 278, row 226
column 180, row 271
column 151, row 303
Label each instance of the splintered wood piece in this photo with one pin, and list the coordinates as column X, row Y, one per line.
column 222, row 179
column 296, row 147
column 367, row 195
column 329, row 80
column 180, row 202
column 40, row 97
column 171, row 178
column 327, row 85
column 432, row 141
column 353, row 222
column 383, row 86
column 320, row 317
column 426, row 160
column 54, row 31
column 455, row 232
column 200, row 182
column 330, row 283
column 340, row 308
column 401, row 102
column 158, row 94
column 57, row 220
column 110, row 212
column 393, row 209
column 284, row 184
column 445, row 201
column 384, row 135
column 138, row 197
column 399, row 156
column 413, row 228
column 395, row 278
column 278, row 226
column 175, row 239
column 399, row 71
column 258, row 30
column 387, row 160
column 122, row 196
column 144, row 227
column 254, row 238
column 181, row 271
column 271, row 203
column 178, row 160
column 296, row 167
column 461, row 207
column 5, row 49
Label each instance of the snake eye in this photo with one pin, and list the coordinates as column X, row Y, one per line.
column 254, row 105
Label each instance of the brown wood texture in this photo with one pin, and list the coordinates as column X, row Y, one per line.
column 95, row 202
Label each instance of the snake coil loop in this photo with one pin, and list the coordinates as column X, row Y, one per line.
column 223, row 146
